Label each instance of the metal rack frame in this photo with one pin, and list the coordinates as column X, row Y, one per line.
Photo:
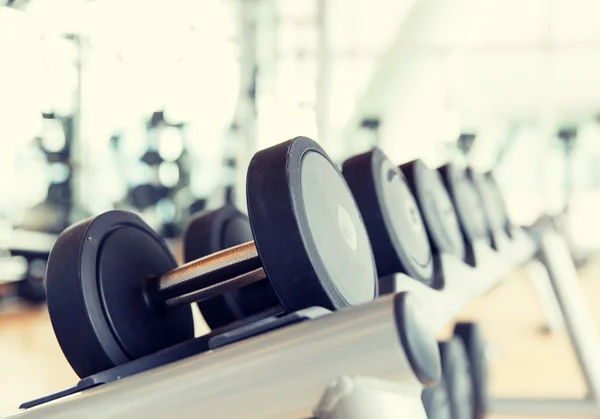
column 559, row 269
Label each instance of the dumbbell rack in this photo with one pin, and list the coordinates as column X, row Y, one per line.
column 558, row 268
column 464, row 283
column 290, row 371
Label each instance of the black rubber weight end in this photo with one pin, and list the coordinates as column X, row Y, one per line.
column 472, row 337
column 309, row 262
column 418, row 340
column 96, row 272
column 436, row 207
column 360, row 175
column 391, row 214
column 215, row 230
column 68, row 314
column 491, row 209
column 468, row 204
column 500, row 202
column 435, row 401
column 456, row 371
column 277, row 234
column 211, row 232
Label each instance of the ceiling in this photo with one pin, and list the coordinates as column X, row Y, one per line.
column 479, row 61
column 509, row 59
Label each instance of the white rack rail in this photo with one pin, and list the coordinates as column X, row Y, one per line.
column 286, row 372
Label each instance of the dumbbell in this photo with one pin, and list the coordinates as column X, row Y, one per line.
column 493, row 212
column 456, row 375
column 500, row 203
column 471, row 336
column 31, row 290
column 440, row 217
column 216, row 230
column 469, row 207
column 435, row 401
column 115, row 293
column 391, row 215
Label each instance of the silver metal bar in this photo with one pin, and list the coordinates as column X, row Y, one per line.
column 214, row 274
column 545, row 407
column 281, row 374
column 582, row 332
column 538, row 273
column 218, row 289
column 579, row 321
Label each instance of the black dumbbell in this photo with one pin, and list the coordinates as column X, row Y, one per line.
column 211, row 232
column 500, row 203
column 225, row 227
column 470, row 334
column 467, row 202
column 31, row 290
column 456, row 374
column 435, row 401
column 115, row 293
column 391, row 215
column 436, row 207
column 494, row 213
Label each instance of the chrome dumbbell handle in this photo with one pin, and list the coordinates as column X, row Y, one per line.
column 209, row 276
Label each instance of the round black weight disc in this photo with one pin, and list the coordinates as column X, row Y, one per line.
column 493, row 212
column 96, row 275
column 436, row 207
column 418, row 340
column 468, row 204
column 214, row 231
column 391, row 214
column 457, row 377
column 307, row 228
column 471, row 336
column 499, row 202
column 31, row 290
column 435, row 401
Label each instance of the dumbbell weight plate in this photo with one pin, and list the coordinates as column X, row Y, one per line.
column 96, row 274
column 470, row 334
column 391, row 214
column 436, row 207
column 31, row 290
column 499, row 202
column 493, row 212
column 468, row 204
column 308, row 233
column 307, row 228
column 211, row 232
column 435, row 401
column 456, row 375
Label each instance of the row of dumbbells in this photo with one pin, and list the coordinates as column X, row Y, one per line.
column 314, row 236
column 462, row 392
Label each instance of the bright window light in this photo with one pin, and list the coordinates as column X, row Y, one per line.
column 59, row 172
column 168, row 174
column 53, row 135
column 170, row 143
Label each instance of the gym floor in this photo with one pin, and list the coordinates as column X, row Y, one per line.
column 525, row 361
